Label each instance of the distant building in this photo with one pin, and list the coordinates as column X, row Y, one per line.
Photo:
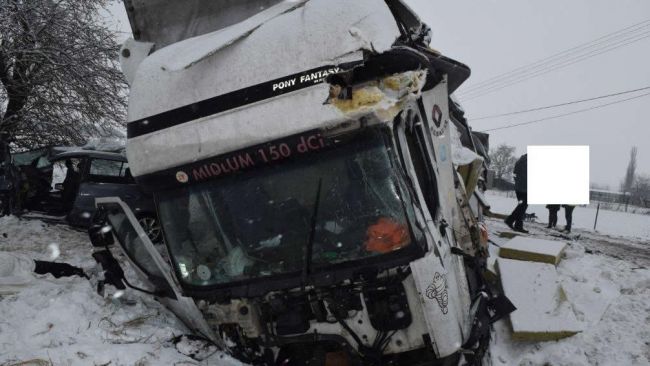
column 500, row 184
column 608, row 196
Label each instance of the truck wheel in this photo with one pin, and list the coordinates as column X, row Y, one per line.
column 151, row 226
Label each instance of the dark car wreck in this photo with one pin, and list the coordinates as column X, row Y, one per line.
column 62, row 183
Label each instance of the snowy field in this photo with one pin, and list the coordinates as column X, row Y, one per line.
column 63, row 321
column 615, row 223
column 608, row 283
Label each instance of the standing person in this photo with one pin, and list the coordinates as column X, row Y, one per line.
column 516, row 219
column 568, row 215
column 70, row 185
column 552, row 215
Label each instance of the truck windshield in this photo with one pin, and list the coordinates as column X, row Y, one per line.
column 258, row 223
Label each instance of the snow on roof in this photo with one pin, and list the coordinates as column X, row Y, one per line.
column 280, row 41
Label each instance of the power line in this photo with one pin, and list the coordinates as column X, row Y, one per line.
column 554, row 67
column 630, row 34
column 546, row 71
column 565, row 114
column 559, row 105
column 625, row 31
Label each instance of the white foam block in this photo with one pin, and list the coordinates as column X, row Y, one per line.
column 543, row 310
column 531, row 249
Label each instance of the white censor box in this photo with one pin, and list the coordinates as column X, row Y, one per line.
column 558, row 175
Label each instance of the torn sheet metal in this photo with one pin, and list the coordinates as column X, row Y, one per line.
column 317, row 34
column 467, row 162
column 194, row 49
column 165, row 22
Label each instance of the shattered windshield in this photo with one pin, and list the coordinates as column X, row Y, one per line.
column 258, row 223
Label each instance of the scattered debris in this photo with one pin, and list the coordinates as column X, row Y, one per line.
column 507, row 234
column 543, row 310
column 531, row 249
column 195, row 347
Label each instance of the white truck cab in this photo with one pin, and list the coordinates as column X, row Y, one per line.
column 301, row 159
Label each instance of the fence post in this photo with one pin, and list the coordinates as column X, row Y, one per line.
column 596, row 220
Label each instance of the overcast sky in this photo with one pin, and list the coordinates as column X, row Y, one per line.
column 494, row 37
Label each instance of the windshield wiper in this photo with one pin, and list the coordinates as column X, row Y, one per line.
column 312, row 233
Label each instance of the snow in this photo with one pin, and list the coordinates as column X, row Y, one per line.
column 195, row 49
column 64, row 321
column 609, row 222
column 460, row 155
column 609, row 294
column 543, row 311
column 15, row 272
column 524, row 248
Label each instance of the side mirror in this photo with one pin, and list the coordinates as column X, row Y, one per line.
column 101, row 235
column 58, row 186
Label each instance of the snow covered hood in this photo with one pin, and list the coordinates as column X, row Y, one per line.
column 193, row 95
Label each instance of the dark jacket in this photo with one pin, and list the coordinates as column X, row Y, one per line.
column 521, row 174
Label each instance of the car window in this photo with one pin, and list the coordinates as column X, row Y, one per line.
column 60, row 171
column 27, row 157
column 109, row 168
column 43, row 162
column 110, row 171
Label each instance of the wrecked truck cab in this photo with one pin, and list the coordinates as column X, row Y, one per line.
column 340, row 192
column 309, row 202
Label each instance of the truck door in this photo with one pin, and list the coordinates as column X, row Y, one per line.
column 439, row 276
column 151, row 265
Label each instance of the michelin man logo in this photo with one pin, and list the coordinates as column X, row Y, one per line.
column 438, row 290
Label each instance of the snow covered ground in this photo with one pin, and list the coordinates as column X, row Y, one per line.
column 607, row 279
column 64, row 322
column 614, row 223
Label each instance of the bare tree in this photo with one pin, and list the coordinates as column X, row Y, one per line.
column 630, row 172
column 640, row 190
column 59, row 80
column 502, row 160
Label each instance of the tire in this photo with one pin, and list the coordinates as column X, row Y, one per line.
column 151, row 227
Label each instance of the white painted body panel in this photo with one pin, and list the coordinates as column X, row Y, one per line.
column 320, row 33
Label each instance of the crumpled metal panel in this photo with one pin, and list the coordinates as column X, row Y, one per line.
column 164, row 22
